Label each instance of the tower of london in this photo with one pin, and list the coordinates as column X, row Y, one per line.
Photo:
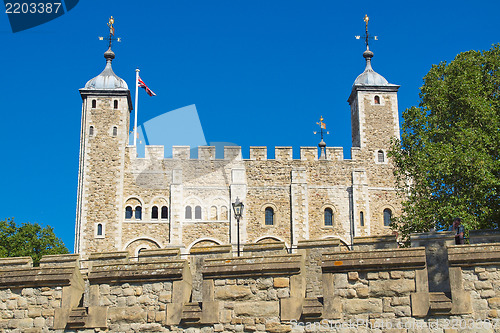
column 127, row 203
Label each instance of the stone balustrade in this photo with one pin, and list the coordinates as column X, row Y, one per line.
column 264, row 290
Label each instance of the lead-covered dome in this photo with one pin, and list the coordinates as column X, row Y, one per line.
column 107, row 79
column 369, row 77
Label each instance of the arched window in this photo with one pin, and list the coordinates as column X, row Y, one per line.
column 376, row 99
column 91, row 130
column 361, row 219
column 115, row 131
column 387, row 217
column 197, row 213
column 269, row 216
column 223, row 213
column 188, row 214
column 138, row 213
column 99, row 229
column 128, row 212
column 94, row 104
column 213, row 213
column 154, row 212
column 381, row 156
column 115, row 104
column 328, row 217
column 164, row 212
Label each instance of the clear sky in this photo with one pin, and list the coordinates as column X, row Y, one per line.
column 260, row 73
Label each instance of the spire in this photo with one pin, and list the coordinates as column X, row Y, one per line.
column 322, row 144
column 369, row 76
column 108, row 79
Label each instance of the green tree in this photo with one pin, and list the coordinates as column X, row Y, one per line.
column 447, row 161
column 28, row 240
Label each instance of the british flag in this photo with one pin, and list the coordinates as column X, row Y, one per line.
column 143, row 85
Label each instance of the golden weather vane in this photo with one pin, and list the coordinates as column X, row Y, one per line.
column 111, row 37
column 367, row 36
column 322, row 127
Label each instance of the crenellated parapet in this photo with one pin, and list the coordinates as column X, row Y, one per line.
column 266, row 289
column 256, row 153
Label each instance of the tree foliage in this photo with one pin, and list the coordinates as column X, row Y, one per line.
column 28, row 240
column 447, row 161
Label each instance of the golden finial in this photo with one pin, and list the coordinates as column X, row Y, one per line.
column 322, row 127
column 110, row 25
column 111, row 37
column 367, row 36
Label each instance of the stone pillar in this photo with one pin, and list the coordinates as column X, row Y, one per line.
column 238, row 189
column 300, row 205
column 176, row 207
column 360, row 203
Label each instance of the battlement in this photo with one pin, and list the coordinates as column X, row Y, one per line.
column 264, row 290
column 256, row 153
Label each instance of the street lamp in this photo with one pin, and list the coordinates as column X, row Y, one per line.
column 238, row 211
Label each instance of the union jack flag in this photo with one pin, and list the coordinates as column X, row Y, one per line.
column 143, row 85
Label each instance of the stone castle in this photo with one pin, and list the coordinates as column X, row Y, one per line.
column 155, row 239
column 130, row 203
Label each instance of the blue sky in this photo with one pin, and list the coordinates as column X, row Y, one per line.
column 260, row 73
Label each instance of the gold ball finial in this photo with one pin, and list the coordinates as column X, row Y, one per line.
column 366, row 19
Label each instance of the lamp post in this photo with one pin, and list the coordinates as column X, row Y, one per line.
column 238, row 211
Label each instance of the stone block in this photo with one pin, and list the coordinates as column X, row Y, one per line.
column 420, row 304
column 174, row 313
column 352, row 276
column 362, row 291
column 232, row 292
column 134, row 314
column 291, row 308
column 34, row 312
column 259, row 309
column 97, row 317
column 494, row 302
column 210, row 312
column 332, row 308
column 181, row 152
column 388, row 288
column 258, row 153
column 232, row 153
column 281, row 282
column 283, row 153
column 39, row 322
column 275, row 327
column 363, row 306
column 225, row 316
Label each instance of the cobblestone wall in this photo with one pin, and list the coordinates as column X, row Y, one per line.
column 318, row 290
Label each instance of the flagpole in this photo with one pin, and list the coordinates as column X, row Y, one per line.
column 136, row 98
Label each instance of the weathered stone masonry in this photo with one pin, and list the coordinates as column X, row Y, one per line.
column 118, row 191
column 267, row 290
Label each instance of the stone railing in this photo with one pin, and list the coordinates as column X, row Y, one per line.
column 265, row 290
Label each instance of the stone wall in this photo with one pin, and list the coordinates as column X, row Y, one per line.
column 298, row 191
column 320, row 288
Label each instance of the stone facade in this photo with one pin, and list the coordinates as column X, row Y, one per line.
column 130, row 203
column 324, row 287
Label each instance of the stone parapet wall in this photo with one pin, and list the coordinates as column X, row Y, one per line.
column 322, row 285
